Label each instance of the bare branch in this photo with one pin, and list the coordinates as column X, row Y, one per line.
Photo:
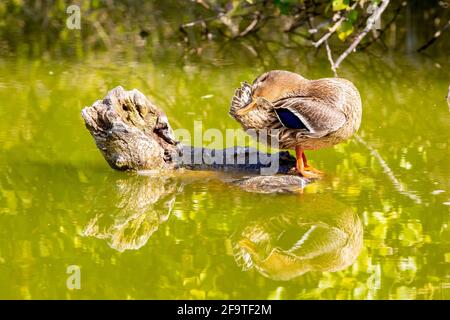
column 330, row 58
column 386, row 26
column 370, row 23
column 448, row 98
column 333, row 28
column 435, row 37
column 204, row 4
column 201, row 21
column 250, row 27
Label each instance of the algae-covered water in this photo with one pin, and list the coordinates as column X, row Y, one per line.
column 376, row 227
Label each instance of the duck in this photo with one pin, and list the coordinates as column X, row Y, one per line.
column 298, row 113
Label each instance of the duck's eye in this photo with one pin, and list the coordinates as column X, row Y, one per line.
column 260, row 80
column 264, row 78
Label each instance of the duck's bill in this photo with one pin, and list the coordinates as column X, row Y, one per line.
column 246, row 109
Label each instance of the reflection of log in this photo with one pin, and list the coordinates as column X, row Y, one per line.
column 133, row 134
column 142, row 204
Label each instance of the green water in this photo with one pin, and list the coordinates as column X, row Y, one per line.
column 188, row 236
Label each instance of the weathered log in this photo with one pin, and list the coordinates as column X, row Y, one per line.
column 133, row 134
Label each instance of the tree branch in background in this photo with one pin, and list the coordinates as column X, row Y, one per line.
column 250, row 27
column 240, row 18
column 387, row 25
column 435, row 37
column 448, row 98
column 334, row 27
column 204, row 4
column 370, row 23
column 330, row 58
column 200, row 21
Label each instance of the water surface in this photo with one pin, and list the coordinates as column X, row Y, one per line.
column 190, row 236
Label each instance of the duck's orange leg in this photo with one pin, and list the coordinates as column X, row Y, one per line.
column 310, row 168
column 303, row 168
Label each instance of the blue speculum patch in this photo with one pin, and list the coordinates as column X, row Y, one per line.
column 290, row 119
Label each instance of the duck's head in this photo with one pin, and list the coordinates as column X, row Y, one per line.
column 272, row 86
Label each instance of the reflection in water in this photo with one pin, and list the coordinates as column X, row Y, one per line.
column 282, row 246
column 54, row 183
column 143, row 204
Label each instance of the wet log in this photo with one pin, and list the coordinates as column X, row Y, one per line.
column 133, row 134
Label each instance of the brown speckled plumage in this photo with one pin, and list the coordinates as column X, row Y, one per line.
column 331, row 108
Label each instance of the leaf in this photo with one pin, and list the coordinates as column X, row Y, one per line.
column 352, row 16
column 345, row 29
column 284, row 6
column 340, row 4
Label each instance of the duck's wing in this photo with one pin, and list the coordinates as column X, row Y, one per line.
column 313, row 117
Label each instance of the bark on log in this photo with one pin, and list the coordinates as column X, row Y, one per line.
column 130, row 131
column 133, row 134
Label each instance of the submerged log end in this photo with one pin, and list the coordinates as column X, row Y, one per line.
column 273, row 184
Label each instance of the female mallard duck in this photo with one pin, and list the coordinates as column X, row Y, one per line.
column 300, row 114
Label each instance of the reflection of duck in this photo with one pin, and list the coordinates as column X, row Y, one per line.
column 324, row 235
column 309, row 114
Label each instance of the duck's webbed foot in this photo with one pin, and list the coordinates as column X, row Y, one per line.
column 303, row 168
column 310, row 172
